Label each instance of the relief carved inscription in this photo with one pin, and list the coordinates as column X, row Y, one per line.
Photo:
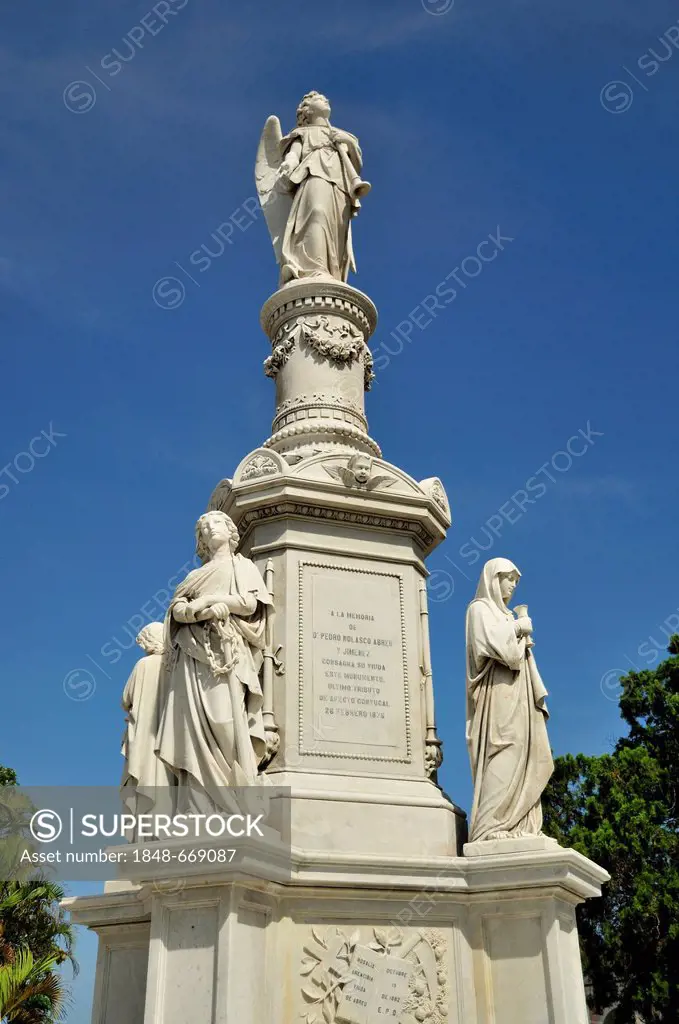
column 393, row 979
column 354, row 670
column 376, row 983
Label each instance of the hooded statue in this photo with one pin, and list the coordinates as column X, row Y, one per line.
column 509, row 749
column 146, row 782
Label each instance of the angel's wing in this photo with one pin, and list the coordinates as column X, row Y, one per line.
column 219, row 496
column 342, row 473
column 348, row 476
column 275, row 204
column 380, row 481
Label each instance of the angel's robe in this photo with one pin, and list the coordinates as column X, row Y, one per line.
column 317, row 237
column 509, row 749
column 205, row 713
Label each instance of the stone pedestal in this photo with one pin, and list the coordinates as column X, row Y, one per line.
column 382, row 918
column 342, row 535
column 124, row 928
column 444, row 940
column 523, row 932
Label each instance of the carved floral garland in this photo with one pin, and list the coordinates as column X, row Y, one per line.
column 368, row 363
column 341, row 342
column 279, row 356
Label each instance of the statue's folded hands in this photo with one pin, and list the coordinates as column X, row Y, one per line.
column 218, row 610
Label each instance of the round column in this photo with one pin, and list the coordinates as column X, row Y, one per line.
column 319, row 330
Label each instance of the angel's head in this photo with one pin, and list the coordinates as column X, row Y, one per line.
column 361, row 466
column 313, row 105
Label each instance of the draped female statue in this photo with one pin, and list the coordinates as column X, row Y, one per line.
column 506, row 714
column 309, row 188
column 211, row 734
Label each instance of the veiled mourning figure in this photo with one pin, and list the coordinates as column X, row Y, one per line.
column 309, row 187
column 212, row 735
column 146, row 780
column 506, row 714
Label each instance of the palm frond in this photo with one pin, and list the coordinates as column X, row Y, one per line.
column 25, row 979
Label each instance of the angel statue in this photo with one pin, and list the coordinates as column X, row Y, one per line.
column 309, row 188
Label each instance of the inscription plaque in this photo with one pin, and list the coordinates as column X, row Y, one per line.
column 355, row 699
column 377, row 988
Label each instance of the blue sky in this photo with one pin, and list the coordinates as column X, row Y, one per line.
column 487, row 116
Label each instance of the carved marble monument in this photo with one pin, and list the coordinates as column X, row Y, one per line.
column 386, row 913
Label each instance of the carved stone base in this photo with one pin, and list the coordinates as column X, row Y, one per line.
column 350, row 940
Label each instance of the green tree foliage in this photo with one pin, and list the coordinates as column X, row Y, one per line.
column 35, row 938
column 621, row 810
column 30, row 989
